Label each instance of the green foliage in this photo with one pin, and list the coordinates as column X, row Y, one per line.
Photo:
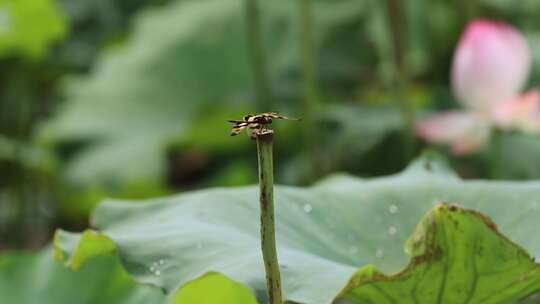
column 29, row 278
column 29, row 26
column 184, row 67
column 27, row 155
column 146, row 93
column 347, row 132
column 326, row 232
column 150, row 115
column 520, row 156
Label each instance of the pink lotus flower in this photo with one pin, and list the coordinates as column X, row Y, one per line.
column 490, row 67
column 466, row 132
column 522, row 112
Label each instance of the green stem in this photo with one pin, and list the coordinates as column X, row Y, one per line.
column 311, row 92
column 263, row 93
column 397, row 25
column 268, row 231
column 495, row 154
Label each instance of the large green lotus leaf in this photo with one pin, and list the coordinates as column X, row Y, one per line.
column 324, row 233
column 29, row 278
column 37, row 278
column 458, row 256
column 214, row 288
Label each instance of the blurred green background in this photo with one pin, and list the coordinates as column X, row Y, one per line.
column 130, row 98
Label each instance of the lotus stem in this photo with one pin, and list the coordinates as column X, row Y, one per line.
column 397, row 24
column 311, row 92
column 268, row 230
column 495, row 154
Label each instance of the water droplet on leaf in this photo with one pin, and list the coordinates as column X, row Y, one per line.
column 307, row 208
column 393, row 209
column 392, row 230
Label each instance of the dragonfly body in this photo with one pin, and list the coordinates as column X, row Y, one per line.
column 255, row 122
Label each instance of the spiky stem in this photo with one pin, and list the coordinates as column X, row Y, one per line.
column 268, row 231
column 397, row 23
column 311, row 92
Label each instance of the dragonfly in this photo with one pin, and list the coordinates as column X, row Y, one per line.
column 256, row 122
